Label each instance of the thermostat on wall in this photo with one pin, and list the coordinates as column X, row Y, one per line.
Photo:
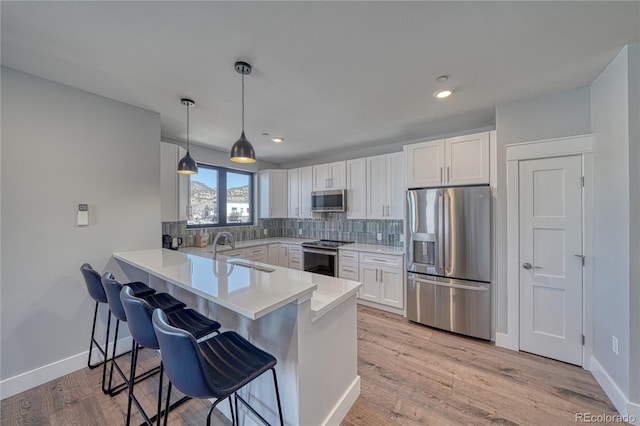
column 83, row 214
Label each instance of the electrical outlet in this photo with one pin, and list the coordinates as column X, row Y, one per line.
column 614, row 344
column 402, row 238
column 299, row 231
column 266, row 232
column 379, row 236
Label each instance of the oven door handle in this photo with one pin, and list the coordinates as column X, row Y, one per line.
column 325, row 252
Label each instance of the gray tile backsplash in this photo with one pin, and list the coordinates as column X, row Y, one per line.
column 332, row 226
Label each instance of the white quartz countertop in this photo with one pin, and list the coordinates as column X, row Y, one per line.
column 245, row 290
column 261, row 242
column 373, row 248
column 369, row 248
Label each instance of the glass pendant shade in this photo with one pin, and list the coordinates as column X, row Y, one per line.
column 242, row 151
column 187, row 165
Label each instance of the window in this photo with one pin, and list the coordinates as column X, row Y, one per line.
column 220, row 197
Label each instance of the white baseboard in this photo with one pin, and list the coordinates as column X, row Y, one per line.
column 381, row 307
column 626, row 408
column 36, row 377
column 505, row 341
column 344, row 404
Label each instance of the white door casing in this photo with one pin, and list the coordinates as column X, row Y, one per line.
column 551, row 294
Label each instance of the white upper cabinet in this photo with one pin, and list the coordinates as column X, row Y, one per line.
column 467, row 159
column 294, row 193
column 356, row 189
column 174, row 187
column 395, row 185
column 273, row 193
column 330, row 176
column 300, row 184
column 462, row 160
column 424, row 163
column 385, row 195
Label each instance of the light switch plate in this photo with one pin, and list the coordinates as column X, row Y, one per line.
column 379, row 236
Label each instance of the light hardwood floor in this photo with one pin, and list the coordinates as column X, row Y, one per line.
column 411, row 375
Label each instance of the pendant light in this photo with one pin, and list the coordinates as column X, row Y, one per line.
column 187, row 165
column 242, row 151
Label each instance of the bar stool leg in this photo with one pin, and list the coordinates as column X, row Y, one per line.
column 113, row 357
column 275, row 383
column 159, row 415
column 132, row 376
column 106, row 352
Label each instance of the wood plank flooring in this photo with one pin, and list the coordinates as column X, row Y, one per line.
column 411, row 375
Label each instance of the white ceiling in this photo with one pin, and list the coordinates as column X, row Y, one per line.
column 327, row 75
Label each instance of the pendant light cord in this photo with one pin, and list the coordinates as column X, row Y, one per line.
column 242, row 103
column 187, row 128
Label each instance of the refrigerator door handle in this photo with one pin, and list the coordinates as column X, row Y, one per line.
column 440, row 242
column 447, row 233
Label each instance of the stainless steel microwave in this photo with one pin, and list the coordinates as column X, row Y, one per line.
column 329, row 201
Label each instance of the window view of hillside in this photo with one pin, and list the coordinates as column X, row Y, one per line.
column 238, row 198
column 234, row 189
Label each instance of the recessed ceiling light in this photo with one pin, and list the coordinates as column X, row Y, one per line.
column 442, row 78
column 277, row 139
column 444, row 93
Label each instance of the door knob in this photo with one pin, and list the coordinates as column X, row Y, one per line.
column 527, row 265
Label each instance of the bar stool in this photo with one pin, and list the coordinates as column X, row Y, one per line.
column 163, row 301
column 94, row 287
column 214, row 368
column 141, row 328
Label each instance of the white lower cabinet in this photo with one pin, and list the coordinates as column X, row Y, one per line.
column 296, row 257
column 241, row 253
column 382, row 279
column 348, row 265
column 285, row 255
column 257, row 254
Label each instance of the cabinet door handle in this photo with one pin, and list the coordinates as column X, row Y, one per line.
column 441, row 175
column 376, row 275
column 296, row 211
column 381, row 276
column 448, row 174
column 383, row 210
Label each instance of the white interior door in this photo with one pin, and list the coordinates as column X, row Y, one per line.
column 550, row 267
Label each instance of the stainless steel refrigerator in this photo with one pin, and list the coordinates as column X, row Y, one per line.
column 449, row 259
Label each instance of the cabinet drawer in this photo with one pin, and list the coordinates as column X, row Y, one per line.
column 295, row 262
column 348, row 256
column 380, row 259
column 348, row 270
column 256, row 251
column 262, row 258
column 295, row 249
column 233, row 253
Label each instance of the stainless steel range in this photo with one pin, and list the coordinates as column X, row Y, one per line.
column 321, row 257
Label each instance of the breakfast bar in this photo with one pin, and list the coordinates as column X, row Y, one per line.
column 307, row 321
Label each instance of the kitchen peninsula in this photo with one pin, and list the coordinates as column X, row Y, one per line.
column 307, row 321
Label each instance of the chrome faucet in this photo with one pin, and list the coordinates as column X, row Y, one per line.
column 227, row 237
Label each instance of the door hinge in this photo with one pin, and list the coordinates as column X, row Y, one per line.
column 583, row 340
column 582, row 181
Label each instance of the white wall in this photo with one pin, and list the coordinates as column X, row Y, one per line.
column 61, row 147
column 634, row 225
column 547, row 117
column 610, row 121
